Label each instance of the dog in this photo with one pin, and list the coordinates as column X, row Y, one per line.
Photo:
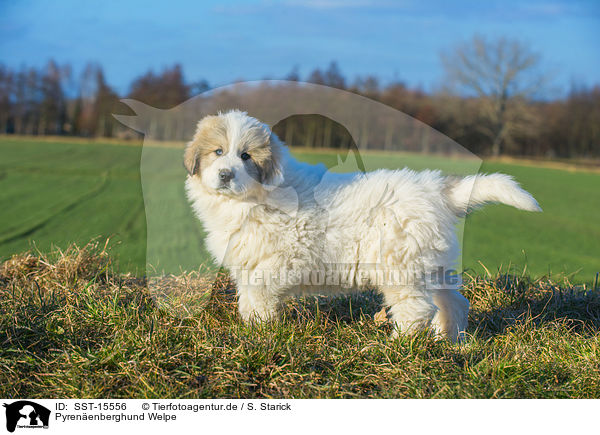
column 283, row 228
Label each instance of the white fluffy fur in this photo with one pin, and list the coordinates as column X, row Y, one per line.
column 350, row 227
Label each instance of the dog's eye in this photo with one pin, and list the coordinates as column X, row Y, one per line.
column 245, row 156
column 219, row 152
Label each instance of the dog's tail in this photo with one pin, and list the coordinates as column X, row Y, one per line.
column 468, row 193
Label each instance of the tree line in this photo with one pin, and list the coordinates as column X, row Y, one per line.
column 491, row 103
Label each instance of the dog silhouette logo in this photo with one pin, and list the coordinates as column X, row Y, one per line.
column 26, row 414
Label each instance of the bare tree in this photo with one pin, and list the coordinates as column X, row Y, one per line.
column 164, row 90
column 332, row 76
column 504, row 75
column 52, row 106
column 6, row 94
column 294, row 74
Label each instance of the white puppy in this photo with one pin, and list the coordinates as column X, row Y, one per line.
column 283, row 229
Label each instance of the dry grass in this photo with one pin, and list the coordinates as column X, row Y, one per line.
column 70, row 327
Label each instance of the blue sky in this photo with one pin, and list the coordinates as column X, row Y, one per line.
column 225, row 41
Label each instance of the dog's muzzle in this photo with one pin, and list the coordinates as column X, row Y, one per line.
column 225, row 176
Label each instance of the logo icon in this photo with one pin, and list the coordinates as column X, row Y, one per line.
column 26, row 414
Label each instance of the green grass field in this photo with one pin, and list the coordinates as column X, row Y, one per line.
column 73, row 324
column 57, row 192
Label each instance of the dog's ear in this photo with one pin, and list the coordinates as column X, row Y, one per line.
column 208, row 130
column 271, row 171
column 191, row 159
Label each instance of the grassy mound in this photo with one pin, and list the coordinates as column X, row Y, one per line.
column 70, row 327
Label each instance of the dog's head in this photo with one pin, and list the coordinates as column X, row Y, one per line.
column 234, row 154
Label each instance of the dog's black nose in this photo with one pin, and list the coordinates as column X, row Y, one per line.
column 225, row 175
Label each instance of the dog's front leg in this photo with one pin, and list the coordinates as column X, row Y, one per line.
column 257, row 304
column 411, row 307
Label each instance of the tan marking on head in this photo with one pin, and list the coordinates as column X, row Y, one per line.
column 211, row 134
column 265, row 157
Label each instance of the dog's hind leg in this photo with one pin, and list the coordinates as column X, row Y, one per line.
column 451, row 319
column 412, row 308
